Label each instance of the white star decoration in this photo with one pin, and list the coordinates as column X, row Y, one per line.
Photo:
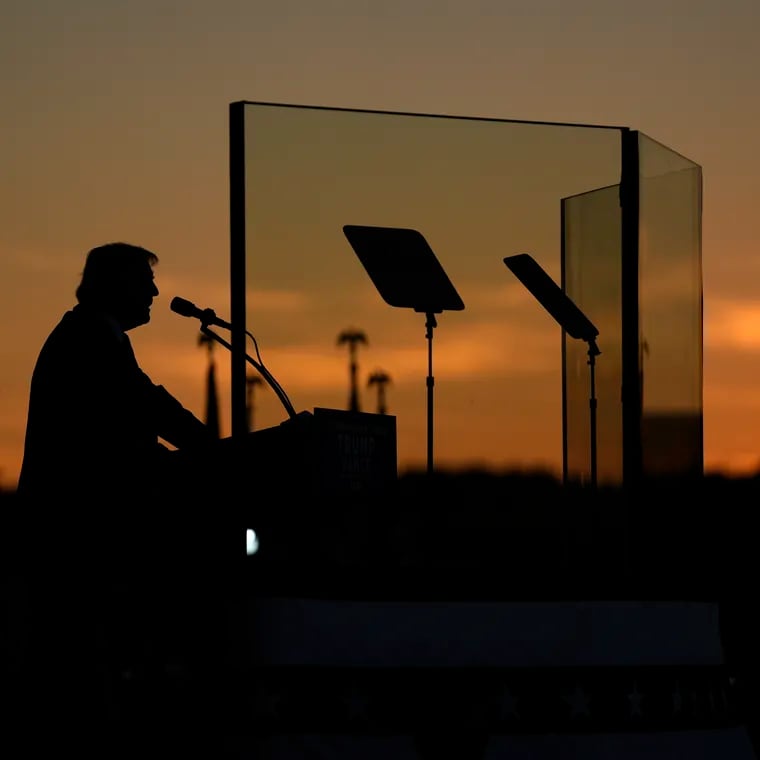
column 634, row 698
column 579, row 702
column 699, row 701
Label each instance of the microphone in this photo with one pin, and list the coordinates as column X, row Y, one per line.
column 187, row 308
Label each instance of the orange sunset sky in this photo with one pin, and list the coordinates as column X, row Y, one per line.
column 115, row 127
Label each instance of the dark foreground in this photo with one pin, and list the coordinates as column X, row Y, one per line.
column 457, row 611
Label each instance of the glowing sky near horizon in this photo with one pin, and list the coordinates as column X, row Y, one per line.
column 114, row 127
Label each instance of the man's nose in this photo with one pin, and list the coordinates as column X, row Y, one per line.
column 155, row 290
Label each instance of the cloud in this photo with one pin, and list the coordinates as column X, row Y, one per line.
column 39, row 261
column 278, row 301
column 482, row 349
column 730, row 324
column 214, row 292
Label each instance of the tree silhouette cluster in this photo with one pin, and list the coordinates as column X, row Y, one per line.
column 379, row 379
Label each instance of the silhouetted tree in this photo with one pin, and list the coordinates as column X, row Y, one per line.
column 353, row 338
column 251, row 381
column 380, row 379
column 212, row 396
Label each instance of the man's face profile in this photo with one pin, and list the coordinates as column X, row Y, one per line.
column 135, row 296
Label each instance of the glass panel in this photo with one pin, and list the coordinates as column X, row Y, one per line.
column 592, row 277
column 478, row 190
column 670, row 310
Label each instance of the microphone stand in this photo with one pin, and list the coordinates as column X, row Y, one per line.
column 260, row 368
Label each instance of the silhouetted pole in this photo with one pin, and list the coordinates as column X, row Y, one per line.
column 381, row 379
column 593, row 352
column 430, row 323
column 251, row 381
column 353, row 338
column 212, row 397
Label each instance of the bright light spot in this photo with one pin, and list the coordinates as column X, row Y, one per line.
column 251, row 542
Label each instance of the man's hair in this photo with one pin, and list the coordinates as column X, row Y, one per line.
column 107, row 267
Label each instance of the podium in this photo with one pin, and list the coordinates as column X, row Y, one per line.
column 308, row 487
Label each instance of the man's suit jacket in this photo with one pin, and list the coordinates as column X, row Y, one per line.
column 95, row 419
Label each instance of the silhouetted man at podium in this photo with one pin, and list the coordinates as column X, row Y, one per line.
column 95, row 418
column 94, row 485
